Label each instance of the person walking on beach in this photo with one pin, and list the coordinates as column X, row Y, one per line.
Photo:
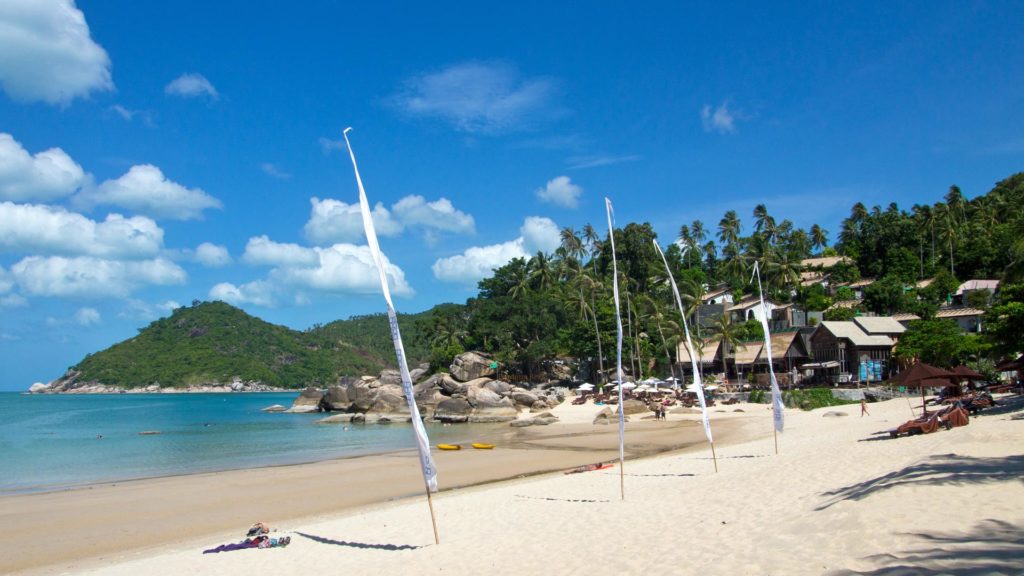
column 863, row 407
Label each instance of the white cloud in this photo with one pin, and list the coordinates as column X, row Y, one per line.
column 54, row 230
column 145, row 189
column 721, row 119
column 13, row 301
column 44, row 176
column 274, row 172
column 89, row 277
column 439, row 215
column 583, row 162
column 87, row 317
column 47, row 54
column 258, row 293
column 191, row 86
column 343, row 268
column 540, row 234
column 262, row 251
column 6, row 281
column 536, row 234
column 212, row 255
column 478, row 97
column 560, row 191
column 333, row 221
column 129, row 115
column 135, row 309
column 326, row 144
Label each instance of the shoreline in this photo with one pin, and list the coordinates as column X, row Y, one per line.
column 221, row 503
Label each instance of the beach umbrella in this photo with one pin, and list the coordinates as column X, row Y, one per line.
column 585, row 386
column 924, row 375
column 966, row 373
column 628, row 386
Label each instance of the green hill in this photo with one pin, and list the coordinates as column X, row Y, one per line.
column 216, row 342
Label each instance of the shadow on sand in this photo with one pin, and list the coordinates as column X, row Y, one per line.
column 991, row 547
column 389, row 547
column 939, row 470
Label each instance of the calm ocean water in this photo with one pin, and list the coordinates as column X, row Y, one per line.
column 50, row 442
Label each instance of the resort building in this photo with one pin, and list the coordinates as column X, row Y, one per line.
column 846, row 352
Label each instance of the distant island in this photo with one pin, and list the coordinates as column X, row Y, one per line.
column 213, row 346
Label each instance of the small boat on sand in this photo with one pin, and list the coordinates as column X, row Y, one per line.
column 449, row 447
column 480, row 446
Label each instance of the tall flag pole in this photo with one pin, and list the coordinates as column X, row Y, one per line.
column 693, row 357
column 618, row 353
column 422, row 443
column 777, row 405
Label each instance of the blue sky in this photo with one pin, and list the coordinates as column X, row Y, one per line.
column 156, row 153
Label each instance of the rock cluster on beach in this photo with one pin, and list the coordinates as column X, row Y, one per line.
column 468, row 393
column 70, row 384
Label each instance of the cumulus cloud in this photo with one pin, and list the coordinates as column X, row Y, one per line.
column 43, row 176
column 212, row 255
column 262, row 251
column 344, row 268
column 191, row 86
column 90, row 277
column 560, row 191
column 438, row 215
column 720, row 119
column 129, row 115
column 87, row 317
column 54, row 230
column 333, row 221
column 6, row 281
column 47, row 54
column 341, row 268
column 145, row 189
column 536, row 234
column 13, row 301
column 478, row 97
column 257, row 293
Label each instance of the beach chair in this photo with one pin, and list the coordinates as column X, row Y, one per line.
column 917, row 426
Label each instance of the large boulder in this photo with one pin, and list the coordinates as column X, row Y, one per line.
column 485, row 398
column 416, row 373
column 307, row 401
column 389, row 400
column 451, row 386
column 632, row 406
column 499, row 387
column 604, row 416
column 472, row 365
column 428, row 395
column 496, row 414
column 524, row 397
column 274, row 408
column 389, row 377
column 361, row 394
column 336, row 398
column 484, row 382
column 38, row 388
column 452, row 410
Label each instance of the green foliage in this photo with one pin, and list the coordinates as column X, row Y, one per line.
column 813, row 398
column 845, row 293
column 1004, row 321
column 938, row 342
column 215, row 342
column 840, row 314
column 978, row 298
column 886, row 296
column 757, row 397
column 750, row 331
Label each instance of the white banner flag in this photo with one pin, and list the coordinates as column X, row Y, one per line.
column 422, row 443
column 777, row 405
column 618, row 334
column 698, row 385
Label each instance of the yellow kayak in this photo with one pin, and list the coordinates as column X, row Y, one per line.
column 479, row 446
column 449, row 447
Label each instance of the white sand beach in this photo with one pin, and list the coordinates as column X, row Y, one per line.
column 839, row 498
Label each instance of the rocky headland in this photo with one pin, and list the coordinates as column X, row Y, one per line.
column 467, row 393
column 70, row 383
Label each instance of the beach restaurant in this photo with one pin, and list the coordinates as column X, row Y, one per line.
column 858, row 351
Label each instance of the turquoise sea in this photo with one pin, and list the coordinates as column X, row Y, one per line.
column 50, row 442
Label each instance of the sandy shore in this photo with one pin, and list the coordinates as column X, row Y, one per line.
column 838, row 498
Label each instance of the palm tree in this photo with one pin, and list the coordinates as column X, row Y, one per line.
column 540, row 272
column 571, row 242
column 728, row 334
column 729, row 228
column 819, row 237
column 697, row 232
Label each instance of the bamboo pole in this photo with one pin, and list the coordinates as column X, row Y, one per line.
column 433, row 518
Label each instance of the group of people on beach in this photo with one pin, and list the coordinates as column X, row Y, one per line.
column 660, row 409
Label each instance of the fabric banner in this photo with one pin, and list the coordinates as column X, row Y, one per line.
column 422, row 443
column 777, row 405
column 698, row 385
column 618, row 333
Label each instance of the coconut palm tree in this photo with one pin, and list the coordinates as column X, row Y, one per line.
column 729, row 228
column 728, row 334
column 819, row 237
